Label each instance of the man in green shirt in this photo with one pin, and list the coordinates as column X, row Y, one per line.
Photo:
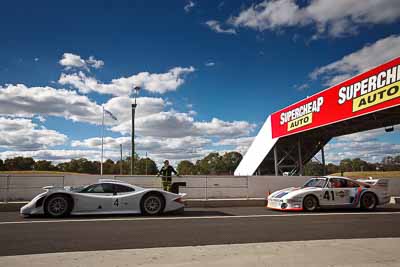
column 166, row 175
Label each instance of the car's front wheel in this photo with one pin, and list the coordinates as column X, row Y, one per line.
column 368, row 201
column 310, row 203
column 152, row 204
column 58, row 206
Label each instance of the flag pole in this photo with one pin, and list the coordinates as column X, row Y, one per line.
column 102, row 141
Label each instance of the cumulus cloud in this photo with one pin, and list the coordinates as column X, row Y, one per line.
column 217, row 127
column 216, row 26
column 189, row 6
column 22, row 134
column 20, row 100
column 369, row 56
column 365, row 145
column 240, row 144
column 70, row 61
column 335, row 18
column 174, row 124
column 188, row 147
column 153, row 82
column 59, row 155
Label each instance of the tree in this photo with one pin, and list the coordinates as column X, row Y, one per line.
column 209, row 164
column 313, row 168
column 81, row 166
column 44, row 165
column 358, row 164
column 230, row 161
column 109, row 167
column 186, row 167
column 2, row 167
column 346, row 165
column 19, row 164
column 146, row 166
column 332, row 168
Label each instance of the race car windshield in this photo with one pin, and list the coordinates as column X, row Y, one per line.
column 77, row 188
column 315, row 182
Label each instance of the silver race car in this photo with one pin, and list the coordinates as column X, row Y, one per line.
column 104, row 197
column 331, row 192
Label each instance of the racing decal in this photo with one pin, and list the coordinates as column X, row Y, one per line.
column 328, row 194
column 371, row 91
column 359, row 191
column 341, row 194
column 281, row 194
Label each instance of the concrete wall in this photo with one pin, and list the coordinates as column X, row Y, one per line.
column 25, row 187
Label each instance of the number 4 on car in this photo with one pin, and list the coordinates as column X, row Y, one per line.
column 331, row 192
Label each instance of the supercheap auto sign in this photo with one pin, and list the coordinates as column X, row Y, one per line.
column 374, row 90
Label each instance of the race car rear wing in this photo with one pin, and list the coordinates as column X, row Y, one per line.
column 384, row 183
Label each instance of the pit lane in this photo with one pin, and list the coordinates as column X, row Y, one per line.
column 197, row 226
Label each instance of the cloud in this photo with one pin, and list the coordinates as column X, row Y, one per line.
column 369, row 56
column 22, row 134
column 157, row 148
column 302, row 87
column 365, row 145
column 240, row 144
column 210, row 64
column 70, row 61
column 20, row 100
column 335, row 18
column 153, row 82
column 220, row 128
column 216, row 26
column 371, row 135
column 189, row 6
column 60, row 155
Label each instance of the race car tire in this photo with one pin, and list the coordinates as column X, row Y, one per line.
column 152, row 204
column 368, row 201
column 58, row 205
column 310, row 203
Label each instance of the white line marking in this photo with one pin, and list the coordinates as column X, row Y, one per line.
column 199, row 217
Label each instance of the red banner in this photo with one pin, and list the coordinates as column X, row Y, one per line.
column 374, row 90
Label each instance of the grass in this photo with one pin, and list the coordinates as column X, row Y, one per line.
column 374, row 174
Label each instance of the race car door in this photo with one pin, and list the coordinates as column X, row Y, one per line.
column 336, row 193
column 95, row 198
column 125, row 199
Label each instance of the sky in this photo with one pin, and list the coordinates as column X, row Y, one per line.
column 210, row 72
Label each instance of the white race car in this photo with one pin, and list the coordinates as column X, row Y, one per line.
column 331, row 192
column 104, row 197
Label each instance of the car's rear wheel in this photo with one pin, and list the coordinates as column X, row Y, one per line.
column 368, row 201
column 152, row 204
column 310, row 203
column 58, row 206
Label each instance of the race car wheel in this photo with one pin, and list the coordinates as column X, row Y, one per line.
column 368, row 201
column 152, row 204
column 58, row 206
column 310, row 203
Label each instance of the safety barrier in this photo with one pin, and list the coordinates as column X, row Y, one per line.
column 25, row 187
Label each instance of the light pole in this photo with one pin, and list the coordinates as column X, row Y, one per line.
column 136, row 92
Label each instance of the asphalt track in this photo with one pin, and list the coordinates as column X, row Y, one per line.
column 210, row 226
